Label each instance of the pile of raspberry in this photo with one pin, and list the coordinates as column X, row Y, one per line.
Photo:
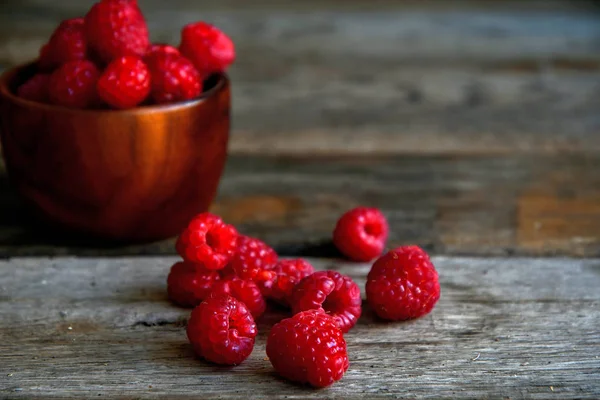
column 228, row 278
column 106, row 60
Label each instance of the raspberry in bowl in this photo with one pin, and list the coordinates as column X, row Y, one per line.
column 109, row 135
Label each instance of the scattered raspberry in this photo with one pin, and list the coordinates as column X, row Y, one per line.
column 73, row 84
column 35, row 89
column 174, row 78
column 222, row 330
column 308, row 348
column 116, row 28
column 361, row 233
column 245, row 291
column 403, row 284
column 207, row 47
column 188, row 284
column 67, row 43
column 336, row 293
column 125, row 82
column 208, row 241
column 253, row 260
column 287, row 273
column 161, row 48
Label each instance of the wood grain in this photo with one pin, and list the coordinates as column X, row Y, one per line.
column 500, row 205
column 381, row 76
column 504, row 328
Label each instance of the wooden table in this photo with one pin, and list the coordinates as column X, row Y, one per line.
column 474, row 127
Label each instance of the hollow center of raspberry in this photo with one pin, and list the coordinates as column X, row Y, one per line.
column 212, row 239
column 373, row 229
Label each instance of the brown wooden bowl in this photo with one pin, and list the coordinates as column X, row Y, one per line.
column 134, row 175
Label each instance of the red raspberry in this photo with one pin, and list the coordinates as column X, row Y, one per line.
column 73, row 84
column 208, row 241
column 125, row 82
column 67, row 43
column 308, row 348
column 361, row 233
column 116, row 28
column 35, row 89
column 188, row 284
column 252, row 260
column 403, row 284
column 245, row 291
column 338, row 294
column 222, row 330
column 174, row 78
column 207, row 47
column 287, row 273
column 161, row 48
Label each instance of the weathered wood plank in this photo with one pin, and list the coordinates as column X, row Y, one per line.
column 504, row 328
column 501, row 205
column 379, row 76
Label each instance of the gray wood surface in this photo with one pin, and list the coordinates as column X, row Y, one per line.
column 383, row 76
column 494, row 205
column 503, row 328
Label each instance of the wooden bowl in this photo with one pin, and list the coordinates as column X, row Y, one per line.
column 134, row 175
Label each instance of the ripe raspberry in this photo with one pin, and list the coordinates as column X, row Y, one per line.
column 188, row 284
column 174, row 78
column 308, row 348
column 208, row 241
column 338, row 294
column 361, row 233
column 403, row 284
column 207, row 47
column 74, row 84
column 222, row 330
column 253, row 259
column 160, row 48
column 35, row 89
column 125, row 82
column 287, row 273
column 67, row 43
column 116, row 28
column 245, row 291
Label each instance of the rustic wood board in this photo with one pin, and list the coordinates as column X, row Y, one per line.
column 383, row 76
column 495, row 205
column 504, row 328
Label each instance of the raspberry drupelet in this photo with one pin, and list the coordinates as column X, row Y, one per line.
column 208, row 241
column 222, row 330
column 403, row 284
column 308, row 348
column 361, row 233
column 337, row 294
column 279, row 285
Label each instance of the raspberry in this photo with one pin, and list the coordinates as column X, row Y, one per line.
column 403, row 284
column 245, row 291
column 174, row 78
column 35, row 89
column 337, row 294
column 67, row 43
column 222, row 330
column 73, row 84
column 116, row 28
column 361, row 233
column 287, row 273
column 208, row 241
column 207, row 47
column 308, row 348
column 125, row 82
column 188, row 284
column 160, row 48
column 253, row 259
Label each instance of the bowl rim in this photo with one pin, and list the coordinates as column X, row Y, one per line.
column 8, row 75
